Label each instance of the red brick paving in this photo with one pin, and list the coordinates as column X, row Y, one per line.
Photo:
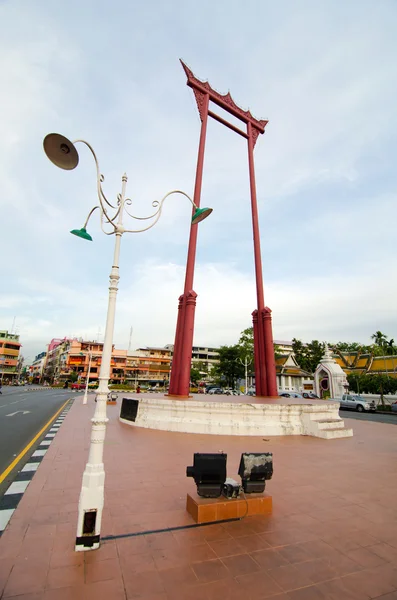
column 332, row 534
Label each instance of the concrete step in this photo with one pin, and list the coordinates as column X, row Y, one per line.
column 332, row 434
column 329, row 423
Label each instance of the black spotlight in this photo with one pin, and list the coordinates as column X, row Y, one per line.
column 209, row 473
column 255, row 469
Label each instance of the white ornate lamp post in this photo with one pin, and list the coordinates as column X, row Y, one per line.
column 85, row 399
column 63, row 154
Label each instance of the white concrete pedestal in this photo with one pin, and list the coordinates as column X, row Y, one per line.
column 245, row 416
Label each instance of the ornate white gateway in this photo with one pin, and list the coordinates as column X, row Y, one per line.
column 329, row 377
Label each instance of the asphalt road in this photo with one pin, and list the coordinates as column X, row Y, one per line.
column 22, row 415
column 379, row 418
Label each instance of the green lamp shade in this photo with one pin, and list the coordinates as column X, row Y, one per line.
column 200, row 215
column 82, row 233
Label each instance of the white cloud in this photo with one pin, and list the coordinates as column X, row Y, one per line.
column 323, row 75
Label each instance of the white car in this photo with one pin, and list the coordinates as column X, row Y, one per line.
column 357, row 402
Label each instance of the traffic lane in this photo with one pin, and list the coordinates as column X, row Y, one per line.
column 366, row 416
column 22, row 418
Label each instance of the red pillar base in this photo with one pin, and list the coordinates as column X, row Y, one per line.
column 182, row 359
column 265, row 365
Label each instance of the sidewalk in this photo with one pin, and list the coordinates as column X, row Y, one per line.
column 333, row 532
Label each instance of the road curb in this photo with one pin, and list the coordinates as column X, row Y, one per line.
column 15, row 491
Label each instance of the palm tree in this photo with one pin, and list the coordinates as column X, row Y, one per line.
column 380, row 339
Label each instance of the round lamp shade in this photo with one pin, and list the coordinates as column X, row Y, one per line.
column 200, row 215
column 61, row 151
column 82, row 233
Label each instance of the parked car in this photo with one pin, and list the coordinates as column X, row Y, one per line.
column 290, row 395
column 215, row 391
column 394, row 407
column 310, row 395
column 77, row 386
column 232, row 393
column 357, row 402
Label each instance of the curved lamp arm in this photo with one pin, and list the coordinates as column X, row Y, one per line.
column 156, row 215
column 101, row 194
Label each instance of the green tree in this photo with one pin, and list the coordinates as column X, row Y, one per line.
column 308, row 355
column 380, row 345
column 246, row 344
column 73, row 376
column 195, row 375
column 229, row 368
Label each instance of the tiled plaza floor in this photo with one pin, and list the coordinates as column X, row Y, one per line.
column 332, row 534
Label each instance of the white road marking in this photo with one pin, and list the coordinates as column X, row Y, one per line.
column 5, row 516
column 24, row 412
column 45, row 442
column 30, row 467
column 39, row 453
column 50, row 435
column 18, row 487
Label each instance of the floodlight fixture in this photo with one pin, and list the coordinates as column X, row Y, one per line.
column 209, row 473
column 255, row 469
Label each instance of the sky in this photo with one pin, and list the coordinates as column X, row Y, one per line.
column 322, row 72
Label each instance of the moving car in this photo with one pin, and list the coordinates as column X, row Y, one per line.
column 310, row 395
column 394, row 407
column 357, row 402
column 77, row 386
column 290, row 395
column 215, row 391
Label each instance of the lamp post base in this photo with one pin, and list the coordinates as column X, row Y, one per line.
column 90, row 508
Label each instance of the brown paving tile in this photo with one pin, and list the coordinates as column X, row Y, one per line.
column 6, row 565
column 289, row 577
column 279, row 538
column 102, row 590
column 189, row 537
column 199, row 553
column 317, row 570
column 391, row 596
column 183, row 592
column 133, row 545
column 374, row 582
column 210, row 570
column 317, row 548
column 65, row 576
column 269, row 558
column 32, row 596
column 176, row 576
column 253, row 542
column 102, row 570
column 335, row 589
column 366, row 558
column 258, row 585
column 239, row 528
column 142, row 584
column 227, row 547
column 342, row 564
column 162, row 541
column 24, row 580
column 136, row 563
column 240, row 564
column 385, row 551
column 214, row 533
column 106, row 551
column 295, row 553
column 66, row 558
column 308, row 593
column 228, row 589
